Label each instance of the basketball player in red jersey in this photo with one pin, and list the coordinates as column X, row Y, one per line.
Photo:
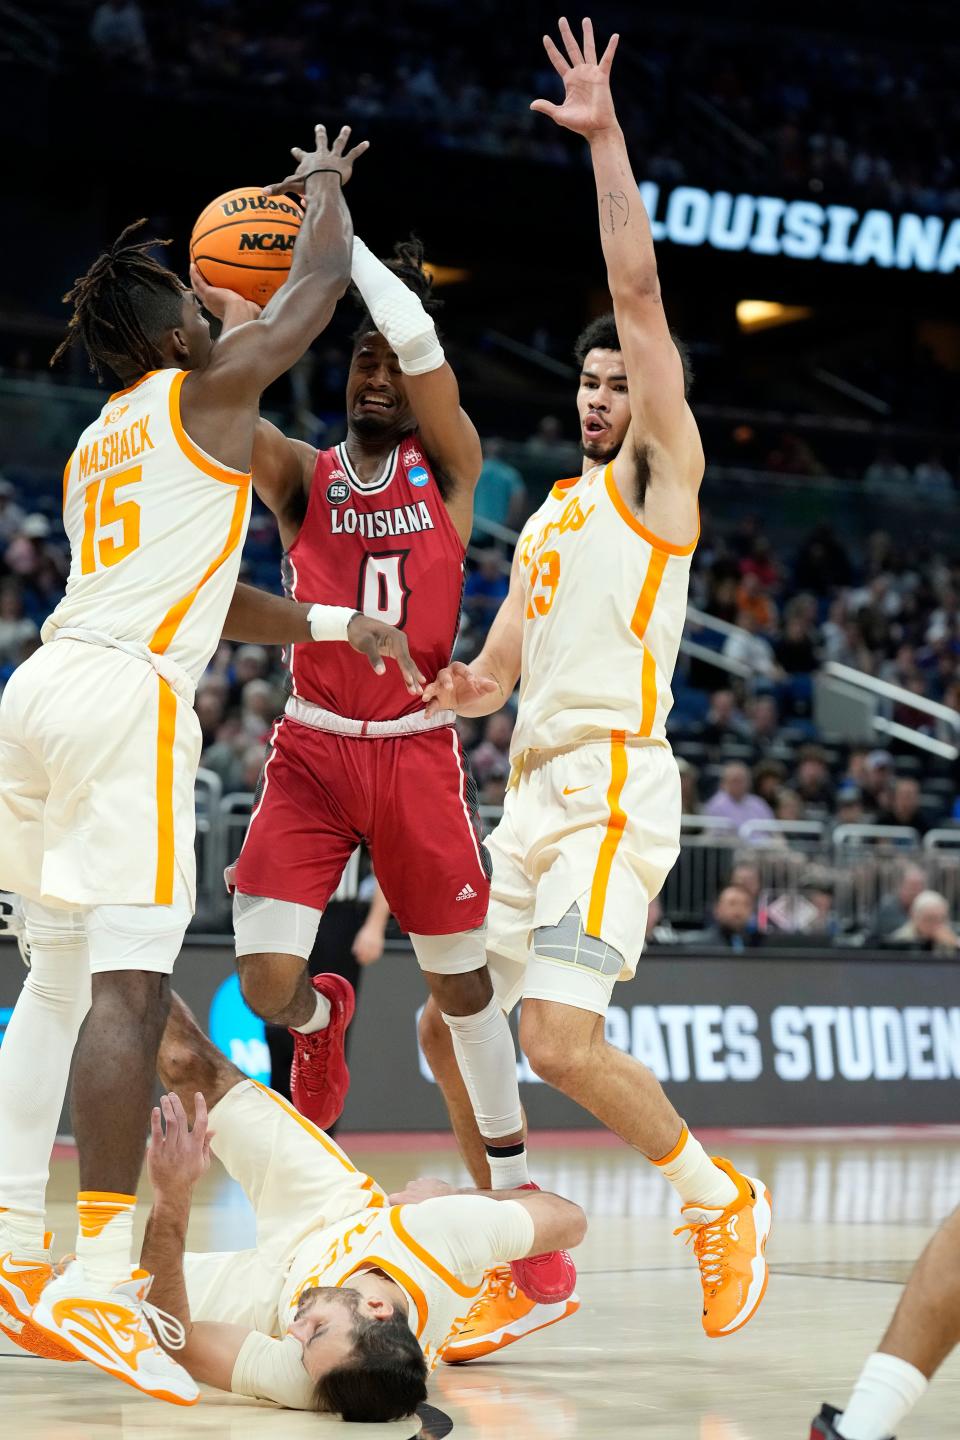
column 378, row 524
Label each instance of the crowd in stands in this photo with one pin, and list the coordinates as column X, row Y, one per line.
column 876, row 119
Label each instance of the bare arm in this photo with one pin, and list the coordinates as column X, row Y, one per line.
column 663, row 433
column 367, row 944
column 488, row 682
column 177, row 1157
column 256, row 617
column 218, row 400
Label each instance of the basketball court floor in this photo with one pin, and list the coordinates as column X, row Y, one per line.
column 851, row 1212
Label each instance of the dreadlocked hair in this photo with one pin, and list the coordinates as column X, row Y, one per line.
column 122, row 308
column 407, row 263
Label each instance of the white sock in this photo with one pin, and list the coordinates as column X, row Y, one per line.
column 694, row 1176
column 884, row 1395
column 485, row 1053
column 320, row 1019
column 35, row 1061
column 22, row 1233
column 105, row 1236
column 507, row 1172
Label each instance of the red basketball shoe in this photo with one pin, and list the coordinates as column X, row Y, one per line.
column 319, row 1078
column 547, row 1279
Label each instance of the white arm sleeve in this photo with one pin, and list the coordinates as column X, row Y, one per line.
column 397, row 313
column 268, row 1369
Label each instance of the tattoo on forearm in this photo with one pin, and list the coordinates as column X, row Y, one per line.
column 614, row 211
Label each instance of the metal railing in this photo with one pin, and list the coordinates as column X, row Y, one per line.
column 883, row 698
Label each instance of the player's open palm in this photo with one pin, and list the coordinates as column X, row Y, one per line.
column 375, row 639
column 587, row 105
column 324, row 156
column 457, row 687
column 178, row 1155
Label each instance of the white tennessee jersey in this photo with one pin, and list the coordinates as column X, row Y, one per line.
column 604, row 604
column 155, row 526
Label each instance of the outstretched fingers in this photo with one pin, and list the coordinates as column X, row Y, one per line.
column 556, row 59
column 606, row 59
column 589, row 44
column 570, row 43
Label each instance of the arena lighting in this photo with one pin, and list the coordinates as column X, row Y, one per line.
column 802, row 229
column 446, row 274
column 766, row 314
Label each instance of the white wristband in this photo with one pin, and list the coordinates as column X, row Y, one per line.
column 330, row 622
column 397, row 313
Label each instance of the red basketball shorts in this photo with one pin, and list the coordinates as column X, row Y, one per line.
column 410, row 797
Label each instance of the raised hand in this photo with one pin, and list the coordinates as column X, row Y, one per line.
column 587, row 107
column 334, row 157
column 178, row 1155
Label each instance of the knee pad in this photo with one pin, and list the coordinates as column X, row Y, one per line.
column 570, row 967
column 569, row 944
column 451, row 954
column 262, row 926
column 60, row 958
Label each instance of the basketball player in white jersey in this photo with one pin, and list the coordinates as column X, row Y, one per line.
column 99, row 747
column 591, row 627
column 348, row 1296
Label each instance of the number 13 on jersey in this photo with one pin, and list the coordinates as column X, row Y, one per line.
column 544, row 579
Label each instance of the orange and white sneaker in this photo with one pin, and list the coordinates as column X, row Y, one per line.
column 110, row 1327
column 501, row 1316
column 729, row 1246
column 21, row 1281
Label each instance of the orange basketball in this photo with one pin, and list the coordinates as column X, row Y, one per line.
column 244, row 240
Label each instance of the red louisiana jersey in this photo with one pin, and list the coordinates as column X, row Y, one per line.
column 387, row 547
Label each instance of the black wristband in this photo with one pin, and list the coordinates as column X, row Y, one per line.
column 321, row 170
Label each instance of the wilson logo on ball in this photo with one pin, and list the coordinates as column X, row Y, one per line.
column 261, row 202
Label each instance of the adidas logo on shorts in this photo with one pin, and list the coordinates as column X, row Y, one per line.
column 467, row 893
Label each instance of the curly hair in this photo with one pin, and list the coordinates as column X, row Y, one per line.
column 122, row 307
column 601, row 334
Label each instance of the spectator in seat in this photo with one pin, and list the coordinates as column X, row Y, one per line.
column 485, row 590
column 15, row 627
column 894, row 911
column 796, row 650
column 11, row 516
column 725, row 720
column 929, row 925
column 732, row 917
column 877, row 776
column 849, row 805
column 886, row 476
column 812, row 781
column 501, row 494
column 491, row 758
column 763, row 718
column 734, row 800
column 932, row 479
column 659, row 931
column 790, row 806
column 768, row 780
column 749, row 647
column 903, row 806
column 689, row 787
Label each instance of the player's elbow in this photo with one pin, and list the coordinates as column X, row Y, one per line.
column 574, row 1225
